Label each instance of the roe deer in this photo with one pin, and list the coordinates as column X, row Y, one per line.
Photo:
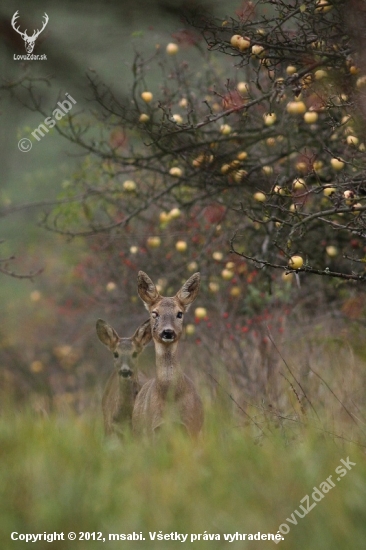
column 123, row 384
column 171, row 395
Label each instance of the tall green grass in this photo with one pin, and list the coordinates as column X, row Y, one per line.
column 58, row 474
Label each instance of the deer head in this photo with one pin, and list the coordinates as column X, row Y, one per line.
column 29, row 40
column 125, row 350
column 166, row 314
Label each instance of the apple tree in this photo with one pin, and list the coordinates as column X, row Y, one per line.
column 240, row 153
column 265, row 139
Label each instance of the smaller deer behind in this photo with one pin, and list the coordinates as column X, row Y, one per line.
column 124, row 383
column 171, row 395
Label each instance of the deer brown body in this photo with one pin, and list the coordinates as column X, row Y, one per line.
column 125, row 382
column 171, row 396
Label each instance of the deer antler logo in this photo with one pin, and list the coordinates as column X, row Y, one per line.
column 29, row 40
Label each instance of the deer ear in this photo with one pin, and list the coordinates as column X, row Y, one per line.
column 106, row 334
column 142, row 334
column 146, row 289
column 188, row 293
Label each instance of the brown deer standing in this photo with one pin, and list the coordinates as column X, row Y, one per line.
column 123, row 384
column 171, row 395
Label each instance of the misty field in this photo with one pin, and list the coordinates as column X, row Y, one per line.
column 221, row 143
column 249, row 473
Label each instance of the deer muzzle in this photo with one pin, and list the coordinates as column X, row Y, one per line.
column 168, row 336
column 125, row 371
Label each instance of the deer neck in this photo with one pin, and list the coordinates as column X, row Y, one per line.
column 168, row 370
column 128, row 388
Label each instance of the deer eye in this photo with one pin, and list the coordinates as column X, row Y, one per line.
column 179, row 314
column 154, row 314
column 115, row 354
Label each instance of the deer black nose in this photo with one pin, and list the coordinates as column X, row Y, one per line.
column 168, row 335
column 126, row 372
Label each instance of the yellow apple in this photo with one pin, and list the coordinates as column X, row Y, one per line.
column 153, row 242
column 299, row 185
column 110, row 286
column 202, row 159
column 356, row 207
column 322, row 6
column 296, row 107
column 183, row 102
column 235, row 291
column 337, row 164
column 181, row 246
column 190, row 329
column 129, row 185
column 213, row 287
column 35, row 296
column 225, row 129
column 164, row 217
column 291, row 69
column 176, row 172
column 259, row 196
column 310, row 117
column 287, row 277
column 277, row 189
column 320, row 73
column 269, row 119
column 348, row 194
column 352, row 140
column 218, row 256
column 144, row 118
column 200, row 312
column 301, row 167
column 328, row 191
column 192, row 266
column 172, row 48
column 332, row 251
column 36, row 366
column 242, row 87
column 239, row 175
column 349, row 197
column 230, row 265
column 147, row 96
column 345, row 119
column 234, row 40
column 198, row 161
column 267, row 171
column 134, row 249
column 295, row 262
column 243, row 43
column 178, row 119
column 361, row 81
column 258, row 50
column 242, row 155
column 174, row 213
column 227, row 274
column 317, row 165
